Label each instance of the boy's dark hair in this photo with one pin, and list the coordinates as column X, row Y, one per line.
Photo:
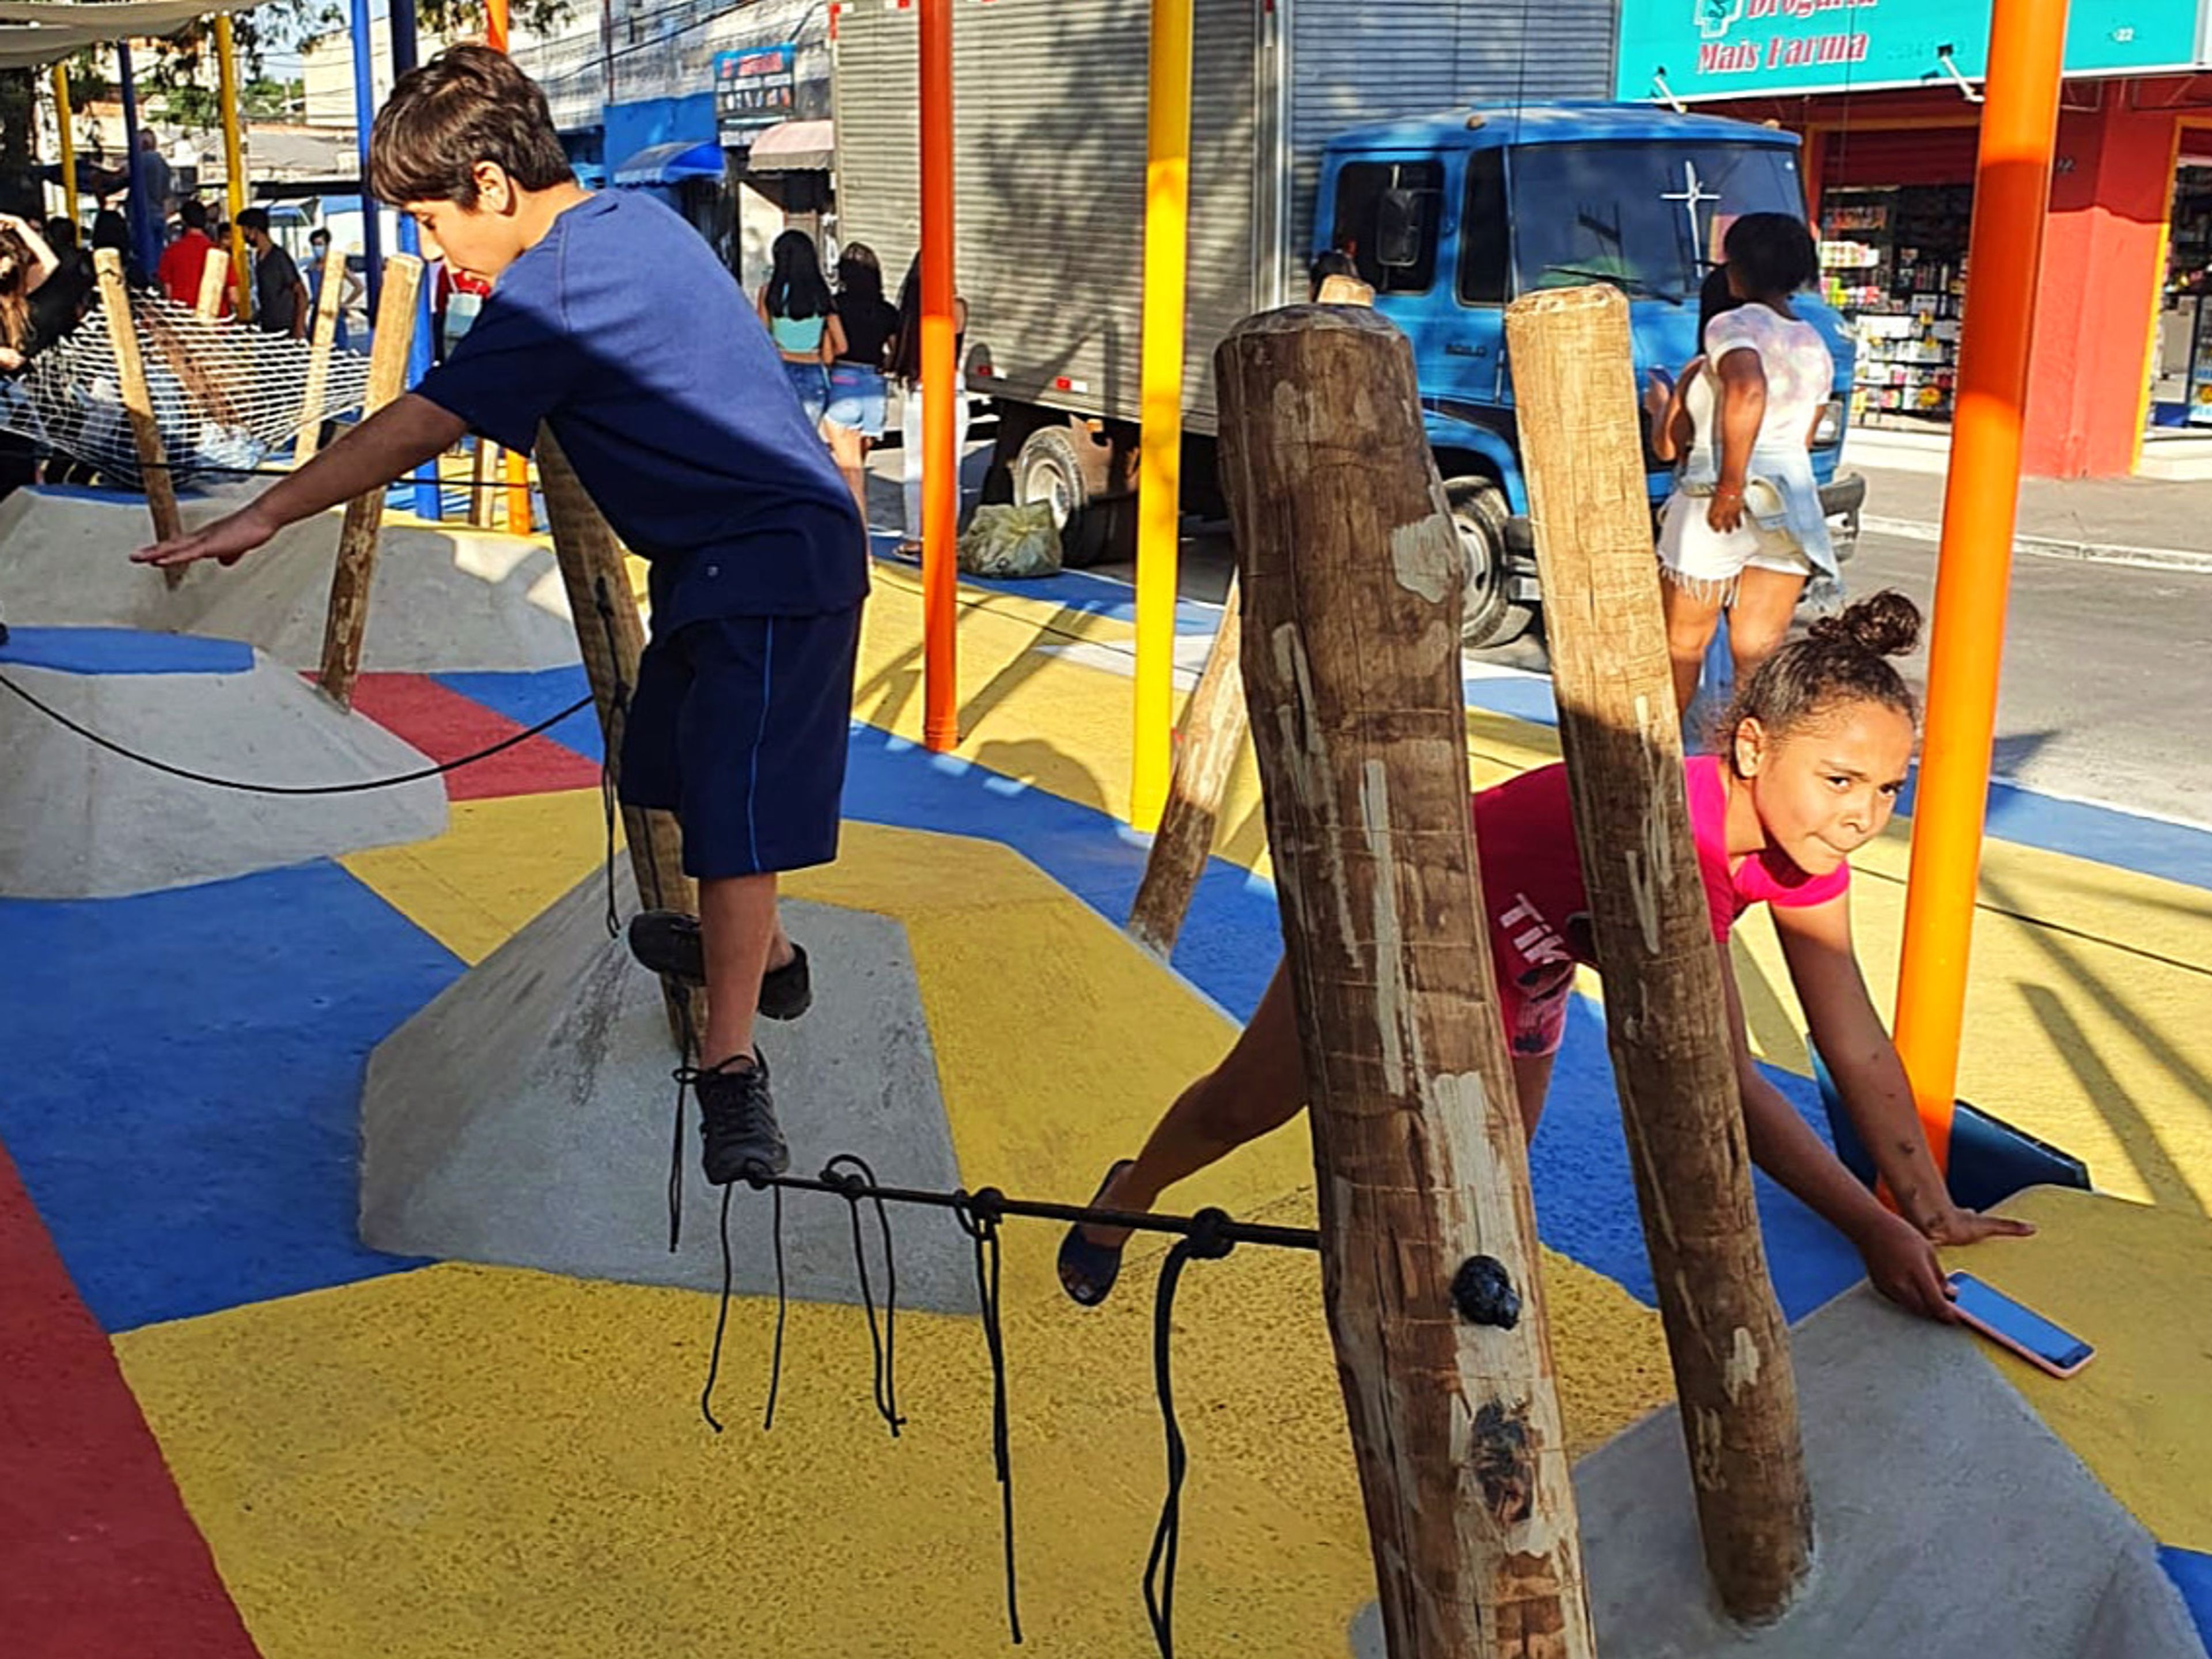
column 1772, row 254
column 61, row 234
column 1716, row 298
column 1334, row 263
column 469, row 104
column 1839, row 660
column 193, row 212
column 254, row 219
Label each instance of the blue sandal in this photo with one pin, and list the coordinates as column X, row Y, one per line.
column 1087, row 1270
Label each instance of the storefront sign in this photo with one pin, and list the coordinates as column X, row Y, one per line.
column 754, row 89
column 1735, row 48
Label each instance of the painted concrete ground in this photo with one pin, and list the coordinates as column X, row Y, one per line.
column 230, row 1430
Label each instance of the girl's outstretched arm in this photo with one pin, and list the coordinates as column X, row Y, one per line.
column 1900, row 1261
column 1816, row 942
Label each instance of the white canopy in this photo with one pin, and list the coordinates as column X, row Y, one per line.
column 35, row 32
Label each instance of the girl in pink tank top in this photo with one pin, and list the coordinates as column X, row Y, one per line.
column 1818, row 746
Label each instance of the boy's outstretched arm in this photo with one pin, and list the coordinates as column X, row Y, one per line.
column 1816, row 942
column 388, row 445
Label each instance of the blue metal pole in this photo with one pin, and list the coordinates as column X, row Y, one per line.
column 145, row 245
column 429, row 502
column 364, row 116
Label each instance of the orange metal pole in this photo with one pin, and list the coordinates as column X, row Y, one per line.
column 517, row 493
column 495, row 24
column 2012, row 195
column 940, row 456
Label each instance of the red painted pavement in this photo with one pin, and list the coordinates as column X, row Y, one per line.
column 446, row 725
column 99, row 1559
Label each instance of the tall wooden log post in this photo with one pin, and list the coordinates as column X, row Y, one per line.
column 138, row 403
column 1212, row 732
column 322, row 340
column 1351, row 574
column 1666, row 1016
column 611, row 637
column 355, row 571
column 215, row 277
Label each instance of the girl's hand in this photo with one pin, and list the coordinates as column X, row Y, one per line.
column 1658, row 395
column 1902, row 1265
column 1956, row 1226
column 226, row 541
column 1726, row 513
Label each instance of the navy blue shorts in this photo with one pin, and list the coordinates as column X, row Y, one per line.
column 738, row 725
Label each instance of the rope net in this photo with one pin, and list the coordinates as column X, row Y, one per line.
column 223, row 393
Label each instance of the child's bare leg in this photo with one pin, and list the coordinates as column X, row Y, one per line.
column 1691, row 619
column 1259, row 1086
column 740, row 937
column 850, row 450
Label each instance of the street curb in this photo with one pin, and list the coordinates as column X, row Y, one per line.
column 2173, row 559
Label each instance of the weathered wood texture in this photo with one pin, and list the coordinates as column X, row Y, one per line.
column 355, row 571
column 611, row 637
column 1351, row 576
column 215, row 277
column 322, row 340
column 1666, row 1015
column 137, row 404
column 1210, row 738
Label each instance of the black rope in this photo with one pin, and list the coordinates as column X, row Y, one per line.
column 291, row 789
column 1209, row 1239
column 979, row 1219
column 722, row 1318
column 857, row 1182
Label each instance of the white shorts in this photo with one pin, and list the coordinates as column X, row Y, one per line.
column 1695, row 556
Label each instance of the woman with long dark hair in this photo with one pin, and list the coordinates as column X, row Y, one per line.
column 906, row 368
column 801, row 315
column 869, row 322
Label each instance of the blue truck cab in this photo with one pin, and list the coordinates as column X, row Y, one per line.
column 1449, row 217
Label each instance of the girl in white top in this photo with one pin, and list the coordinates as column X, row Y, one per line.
column 1744, row 527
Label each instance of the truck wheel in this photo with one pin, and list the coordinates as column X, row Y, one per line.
column 1050, row 471
column 1493, row 616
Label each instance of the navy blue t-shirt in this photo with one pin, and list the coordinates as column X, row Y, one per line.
column 623, row 331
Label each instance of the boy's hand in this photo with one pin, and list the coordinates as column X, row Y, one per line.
column 226, row 541
column 1902, row 1266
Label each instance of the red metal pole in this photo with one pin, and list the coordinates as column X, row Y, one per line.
column 2012, row 196
column 941, row 462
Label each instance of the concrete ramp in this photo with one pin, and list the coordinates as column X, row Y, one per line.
column 524, row 1118
column 443, row 598
column 1949, row 1521
column 77, row 821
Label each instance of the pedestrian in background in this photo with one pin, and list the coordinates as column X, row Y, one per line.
column 801, row 315
column 906, row 368
column 280, row 297
column 869, row 324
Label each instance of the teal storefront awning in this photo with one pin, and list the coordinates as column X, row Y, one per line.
column 670, row 164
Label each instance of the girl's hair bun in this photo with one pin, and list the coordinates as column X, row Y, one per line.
column 1884, row 624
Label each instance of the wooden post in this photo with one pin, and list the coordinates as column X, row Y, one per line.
column 328, row 303
column 482, row 467
column 130, row 373
column 215, row 277
column 1574, row 379
column 612, row 640
column 1212, row 732
column 364, row 515
column 1351, row 574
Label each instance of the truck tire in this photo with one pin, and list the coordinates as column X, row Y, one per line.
column 1049, row 470
column 1493, row 616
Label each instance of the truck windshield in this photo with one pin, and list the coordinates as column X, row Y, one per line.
column 1647, row 217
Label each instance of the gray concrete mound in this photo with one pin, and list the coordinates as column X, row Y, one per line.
column 444, row 599
column 524, row 1118
column 1950, row 1523
column 79, row 822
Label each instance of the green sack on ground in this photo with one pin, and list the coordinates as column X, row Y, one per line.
column 1011, row 542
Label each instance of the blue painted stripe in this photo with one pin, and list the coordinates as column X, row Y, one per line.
column 123, row 651
column 183, row 1082
column 2191, row 1572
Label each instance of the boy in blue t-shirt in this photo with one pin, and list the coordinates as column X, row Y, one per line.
column 611, row 322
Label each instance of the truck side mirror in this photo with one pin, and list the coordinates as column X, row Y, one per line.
column 1398, row 228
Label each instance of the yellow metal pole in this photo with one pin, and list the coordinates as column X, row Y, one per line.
column 233, row 158
column 64, row 116
column 2012, row 195
column 1159, row 470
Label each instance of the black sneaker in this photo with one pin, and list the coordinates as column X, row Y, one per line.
column 736, row 1121
column 666, row 942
